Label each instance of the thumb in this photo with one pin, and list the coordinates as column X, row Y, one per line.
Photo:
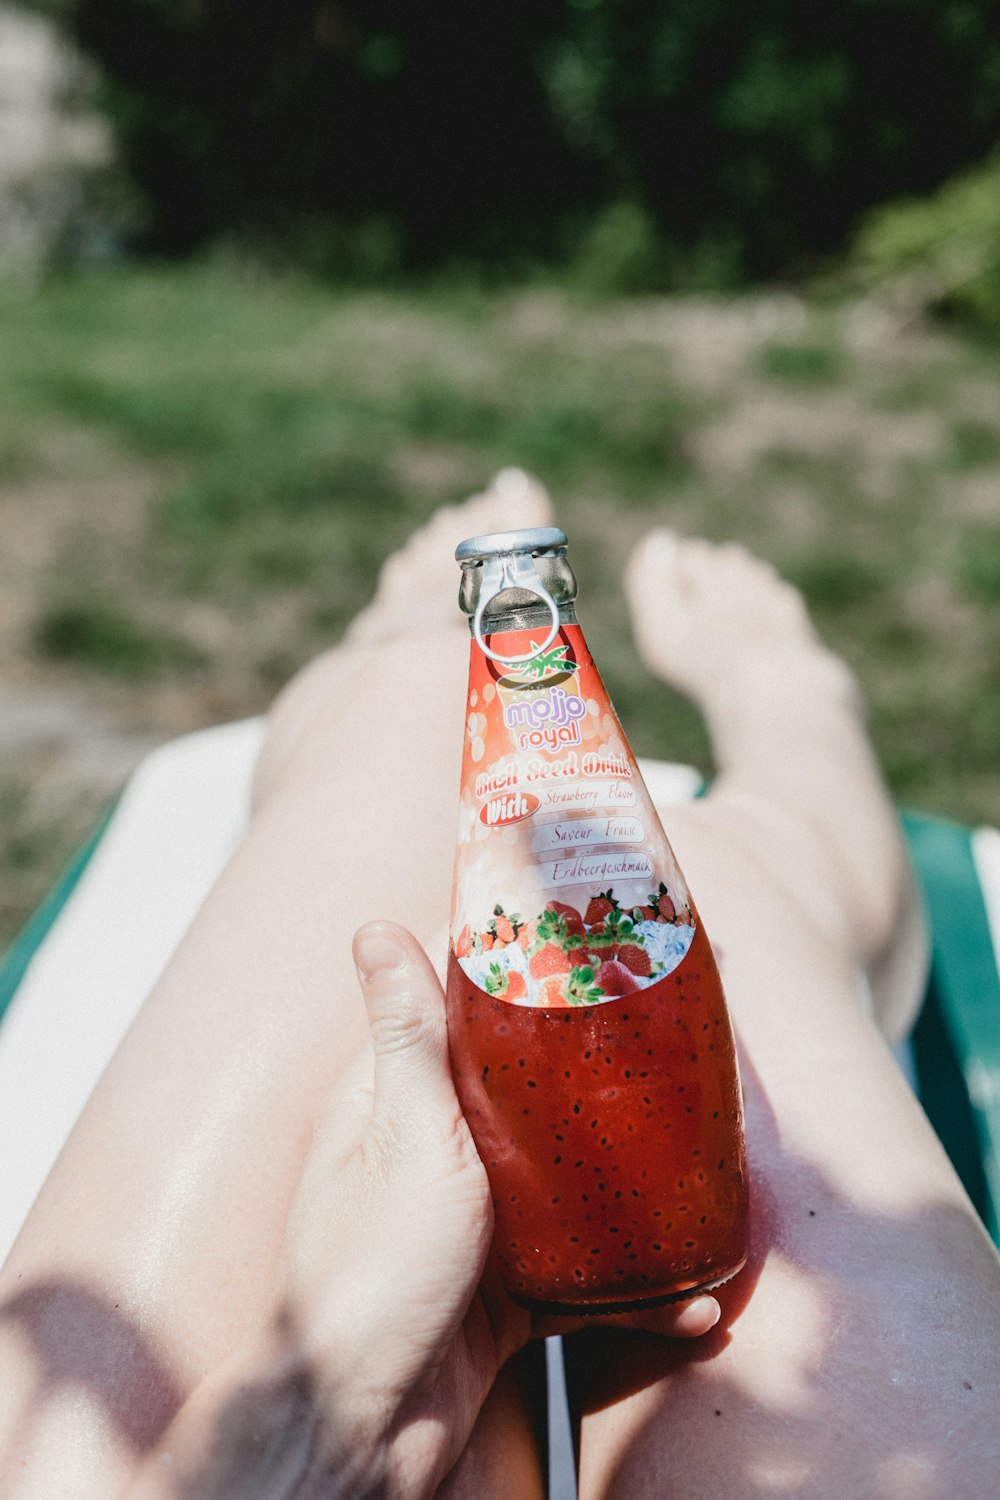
column 406, row 1017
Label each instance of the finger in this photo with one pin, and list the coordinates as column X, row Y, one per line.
column 406, row 1017
column 679, row 1320
column 683, row 1320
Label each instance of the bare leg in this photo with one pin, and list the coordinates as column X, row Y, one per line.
column 155, row 1238
column 788, row 733
column 858, row 1354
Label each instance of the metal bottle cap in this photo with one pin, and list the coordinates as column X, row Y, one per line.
column 507, row 562
column 528, row 539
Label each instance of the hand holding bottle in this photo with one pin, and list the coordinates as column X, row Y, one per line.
column 397, row 1312
column 385, row 1338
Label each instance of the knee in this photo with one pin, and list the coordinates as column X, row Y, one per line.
column 407, row 690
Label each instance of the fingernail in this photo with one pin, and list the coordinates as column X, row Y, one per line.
column 378, row 949
column 705, row 1311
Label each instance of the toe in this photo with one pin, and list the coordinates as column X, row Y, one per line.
column 513, row 499
column 697, row 566
column 423, row 575
column 651, row 562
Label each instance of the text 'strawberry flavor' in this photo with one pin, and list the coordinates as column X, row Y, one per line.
column 590, row 1041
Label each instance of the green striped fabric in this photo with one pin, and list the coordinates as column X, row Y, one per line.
column 957, row 1038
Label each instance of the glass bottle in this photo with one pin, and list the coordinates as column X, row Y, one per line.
column 590, row 1040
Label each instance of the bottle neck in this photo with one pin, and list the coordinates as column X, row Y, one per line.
column 530, row 615
column 520, row 589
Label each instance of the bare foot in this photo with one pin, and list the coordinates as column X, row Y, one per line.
column 418, row 586
column 417, row 592
column 787, row 730
column 712, row 620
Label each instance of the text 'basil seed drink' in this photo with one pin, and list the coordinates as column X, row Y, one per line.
column 590, row 1041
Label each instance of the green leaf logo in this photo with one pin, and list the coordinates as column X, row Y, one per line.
column 547, row 663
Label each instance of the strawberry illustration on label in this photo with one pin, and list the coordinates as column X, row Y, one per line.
column 515, row 960
column 505, row 984
column 599, row 907
column 549, row 959
column 615, row 979
column 636, row 960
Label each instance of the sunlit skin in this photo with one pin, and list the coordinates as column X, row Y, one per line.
column 221, row 1175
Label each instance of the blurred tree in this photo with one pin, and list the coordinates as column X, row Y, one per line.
column 426, row 123
column 755, row 133
column 939, row 253
column 750, row 134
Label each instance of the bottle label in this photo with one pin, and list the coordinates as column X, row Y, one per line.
column 566, row 890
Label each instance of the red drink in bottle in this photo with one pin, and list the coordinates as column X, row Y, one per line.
column 590, row 1040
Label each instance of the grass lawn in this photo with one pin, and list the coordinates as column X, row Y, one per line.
column 201, row 469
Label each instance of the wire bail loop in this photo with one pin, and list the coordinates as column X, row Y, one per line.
column 512, row 570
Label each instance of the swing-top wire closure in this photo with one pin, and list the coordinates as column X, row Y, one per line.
column 512, row 570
